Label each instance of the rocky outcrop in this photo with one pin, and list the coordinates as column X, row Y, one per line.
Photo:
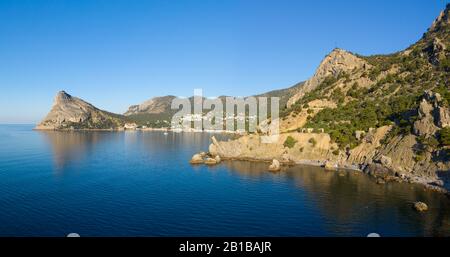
column 69, row 112
column 252, row 147
column 336, row 62
column 366, row 151
column 431, row 115
column 441, row 21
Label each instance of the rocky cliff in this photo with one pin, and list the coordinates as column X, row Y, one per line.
column 70, row 112
column 385, row 114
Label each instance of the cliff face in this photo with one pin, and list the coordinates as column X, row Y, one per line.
column 413, row 157
column 71, row 112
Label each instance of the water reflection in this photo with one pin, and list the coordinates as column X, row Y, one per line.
column 76, row 146
column 72, row 146
column 352, row 200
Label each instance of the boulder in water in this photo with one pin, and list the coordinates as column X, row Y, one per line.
column 197, row 159
column 210, row 161
column 275, row 166
column 420, row 206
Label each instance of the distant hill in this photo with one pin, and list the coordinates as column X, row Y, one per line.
column 157, row 112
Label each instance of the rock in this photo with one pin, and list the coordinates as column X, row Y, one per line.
column 285, row 158
column 425, row 124
column 275, row 166
column 381, row 181
column 438, row 183
column 420, row 206
column 386, row 161
column 213, row 149
column 218, row 159
column 210, row 161
column 443, row 119
column 329, row 165
column 359, row 134
column 203, row 154
column 197, row 159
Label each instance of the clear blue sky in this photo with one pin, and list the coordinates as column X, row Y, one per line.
column 117, row 53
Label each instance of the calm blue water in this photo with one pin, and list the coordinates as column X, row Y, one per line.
column 141, row 184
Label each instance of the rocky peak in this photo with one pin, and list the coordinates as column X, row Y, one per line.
column 334, row 63
column 441, row 21
column 62, row 96
column 68, row 111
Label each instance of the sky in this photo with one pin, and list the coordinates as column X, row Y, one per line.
column 117, row 53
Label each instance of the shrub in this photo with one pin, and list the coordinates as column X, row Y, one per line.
column 444, row 136
column 336, row 152
column 289, row 142
column 312, row 141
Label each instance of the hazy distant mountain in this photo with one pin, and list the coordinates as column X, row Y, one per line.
column 157, row 111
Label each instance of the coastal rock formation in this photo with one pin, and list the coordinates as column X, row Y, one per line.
column 387, row 115
column 69, row 112
column 253, row 147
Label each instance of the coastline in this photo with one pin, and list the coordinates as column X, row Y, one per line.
column 428, row 183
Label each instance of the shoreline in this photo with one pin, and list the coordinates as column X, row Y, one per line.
column 139, row 129
column 427, row 183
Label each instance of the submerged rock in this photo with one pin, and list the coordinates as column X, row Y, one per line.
column 420, row 206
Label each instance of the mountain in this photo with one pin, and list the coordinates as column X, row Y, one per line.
column 69, row 112
column 388, row 115
column 155, row 105
column 157, row 112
